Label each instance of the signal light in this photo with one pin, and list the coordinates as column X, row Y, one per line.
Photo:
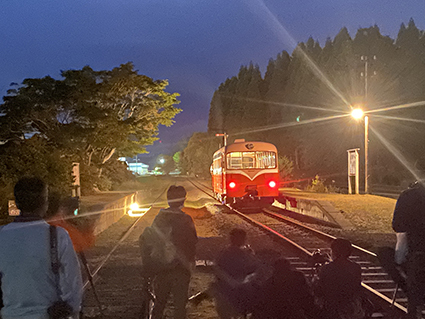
column 272, row 184
column 232, row 184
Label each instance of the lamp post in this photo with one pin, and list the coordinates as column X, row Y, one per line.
column 359, row 114
column 225, row 136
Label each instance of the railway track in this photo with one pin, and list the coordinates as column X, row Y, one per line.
column 116, row 274
column 308, row 240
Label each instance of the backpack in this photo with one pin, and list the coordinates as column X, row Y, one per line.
column 157, row 249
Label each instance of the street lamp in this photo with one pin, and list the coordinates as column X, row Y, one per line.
column 359, row 114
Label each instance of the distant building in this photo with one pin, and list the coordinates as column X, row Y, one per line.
column 135, row 166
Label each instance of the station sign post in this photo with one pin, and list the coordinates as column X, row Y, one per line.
column 76, row 186
column 353, row 170
column 12, row 209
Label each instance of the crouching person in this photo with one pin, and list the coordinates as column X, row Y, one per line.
column 285, row 295
column 168, row 250
column 339, row 285
column 235, row 267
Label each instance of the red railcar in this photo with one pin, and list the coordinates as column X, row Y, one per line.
column 245, row 172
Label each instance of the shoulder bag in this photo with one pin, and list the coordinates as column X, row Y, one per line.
column 60, row 309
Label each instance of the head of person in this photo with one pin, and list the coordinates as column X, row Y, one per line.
column 237, row 237
column 31, row 197
column 341, row 248
column 176, row 195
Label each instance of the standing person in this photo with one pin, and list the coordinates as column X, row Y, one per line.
column 28, row 281
column 339, row 284
column 177, row 236
column 409, row 224
column 233, row 269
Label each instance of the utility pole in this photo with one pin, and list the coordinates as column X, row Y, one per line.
column 364, row 58
column 225, row 136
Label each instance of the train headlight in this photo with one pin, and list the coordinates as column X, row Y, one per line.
column 232, row 184
column 272, row 184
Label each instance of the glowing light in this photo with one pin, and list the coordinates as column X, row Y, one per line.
column 397, row 107
column 272, row 184
column 357, row 113
column 134, row 206
column 139, row 212
column 290, row 124
column 162, row 161
column 232, row 184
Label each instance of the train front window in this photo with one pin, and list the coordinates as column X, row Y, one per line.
column 266, row 159
column 246, row 160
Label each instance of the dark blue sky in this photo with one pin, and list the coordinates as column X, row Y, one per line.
column 195, row 44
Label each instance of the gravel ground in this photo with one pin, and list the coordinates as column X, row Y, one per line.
column 213, row 227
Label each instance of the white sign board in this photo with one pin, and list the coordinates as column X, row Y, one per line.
column 352, row 164
column 353, row 171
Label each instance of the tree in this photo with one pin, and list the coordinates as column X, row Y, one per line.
column 177, row 159
column 32, row 157
column 197, row 156
column 286, row 167
column 327, row 81
column 166, row 163
column 89, row 116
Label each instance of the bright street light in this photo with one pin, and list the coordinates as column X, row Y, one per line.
column 359, row 114
column 162, row 160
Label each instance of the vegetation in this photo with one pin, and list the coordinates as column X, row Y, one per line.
column 316, row 82
column 196, row 158
column 90, row 117
column 286, row 166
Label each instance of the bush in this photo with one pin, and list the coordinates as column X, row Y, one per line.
column 317, row 186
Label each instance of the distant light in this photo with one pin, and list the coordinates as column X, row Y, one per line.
column 232, row 184
column 298, row 118
column 357, row 114
column 161, row 160
column 76, row 212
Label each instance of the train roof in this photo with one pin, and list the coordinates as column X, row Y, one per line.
column 241, row 145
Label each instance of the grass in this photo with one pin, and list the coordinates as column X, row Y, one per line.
column 368, row 213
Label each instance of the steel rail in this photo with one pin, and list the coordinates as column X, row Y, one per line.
column 305, row 251
column 318, row 232
column 123, row 237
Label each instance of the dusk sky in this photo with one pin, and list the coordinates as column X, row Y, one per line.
column 195, row 44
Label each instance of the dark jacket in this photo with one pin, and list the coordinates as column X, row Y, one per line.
column 285, row 296
column 339, row 287
column 233, row 266
column 183, row 232
column 409, row 217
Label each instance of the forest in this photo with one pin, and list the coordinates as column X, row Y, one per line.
column 302, row 104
